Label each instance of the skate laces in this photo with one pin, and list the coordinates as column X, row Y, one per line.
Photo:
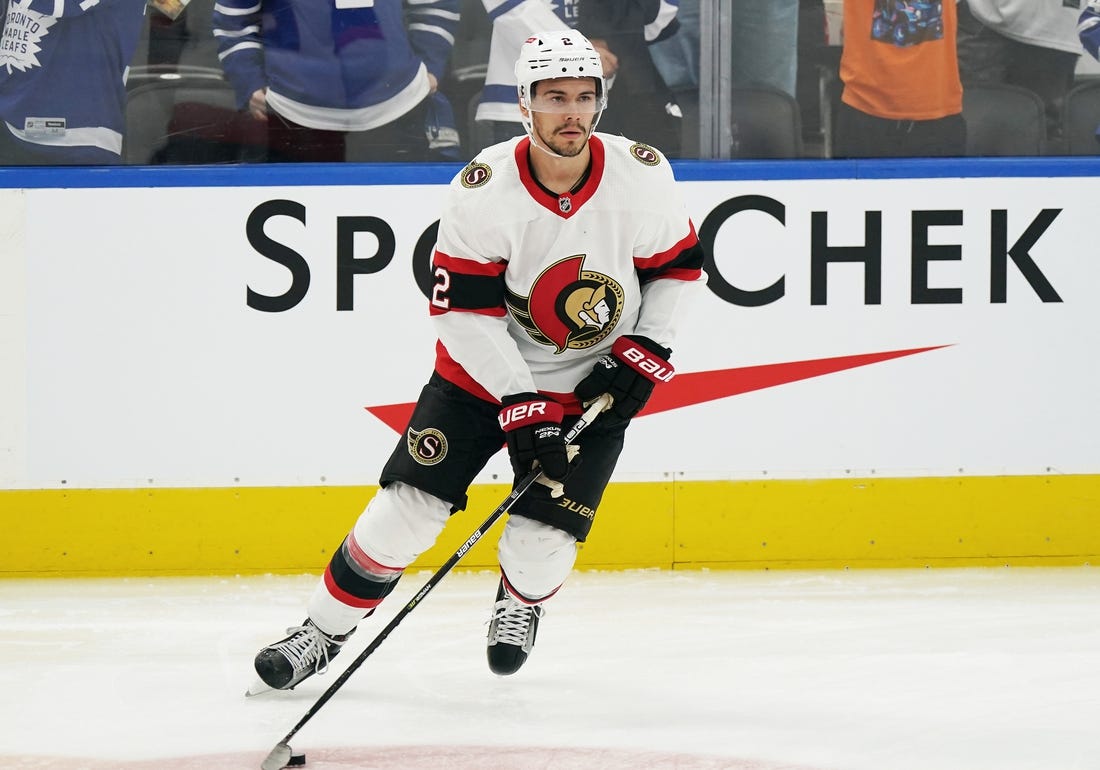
column 511, row 621
column 307, row 646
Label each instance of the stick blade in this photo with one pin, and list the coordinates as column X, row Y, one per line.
column 278, row 758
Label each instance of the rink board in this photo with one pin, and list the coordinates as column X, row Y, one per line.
column 890, row 363
column 833, row 523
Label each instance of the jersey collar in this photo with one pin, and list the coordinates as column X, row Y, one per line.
column 566, row 204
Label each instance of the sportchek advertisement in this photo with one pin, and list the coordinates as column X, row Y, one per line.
column 270, row 336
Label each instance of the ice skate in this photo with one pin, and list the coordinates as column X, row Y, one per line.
column 286, row 663
column 511, row 632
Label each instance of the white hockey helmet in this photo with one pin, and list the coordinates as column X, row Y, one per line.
column 562, row 53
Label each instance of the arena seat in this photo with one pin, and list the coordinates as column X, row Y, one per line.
column 766, row 123
column 1003, row 120
column 1081, row 118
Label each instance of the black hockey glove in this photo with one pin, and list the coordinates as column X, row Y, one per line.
column 532, row 426
column 628, row 374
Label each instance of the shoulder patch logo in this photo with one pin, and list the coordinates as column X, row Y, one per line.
column 475, row 175
column 428, row 446
column 643, row 153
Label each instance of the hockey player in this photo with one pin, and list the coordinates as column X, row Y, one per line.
column 1021, row 43
column 563, row 262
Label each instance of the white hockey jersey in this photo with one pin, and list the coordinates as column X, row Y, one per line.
column 532, row 287
column 1044, row 23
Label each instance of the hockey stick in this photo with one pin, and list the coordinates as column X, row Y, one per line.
column 280, row 755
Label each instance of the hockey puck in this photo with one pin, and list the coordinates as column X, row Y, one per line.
column 296, row 760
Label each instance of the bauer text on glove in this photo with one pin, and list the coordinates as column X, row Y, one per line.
column 628, row 374
column 532, row 427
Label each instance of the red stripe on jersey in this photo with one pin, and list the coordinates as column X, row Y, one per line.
column 549, row 200
column 569, row 401
column 450, row 370
column 468, row 266
column 344, row 597
column 655, row 261
column 369, row 565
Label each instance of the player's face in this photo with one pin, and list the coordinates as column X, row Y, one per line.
column 562, row 113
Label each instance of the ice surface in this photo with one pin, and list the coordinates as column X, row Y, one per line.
column 977, row 669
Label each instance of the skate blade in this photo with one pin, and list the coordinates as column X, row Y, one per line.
column 259, row 687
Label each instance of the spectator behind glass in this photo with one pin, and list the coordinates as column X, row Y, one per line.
column 315, row 72
column 764, row 46
column 1088, row 28
column 677, row 55
column 623, row 29
column 512, row 23
column 1028, row 43
column 764, row 43
column 764, row 52
column 515, row 22
column 902, row 95
column 62, row 88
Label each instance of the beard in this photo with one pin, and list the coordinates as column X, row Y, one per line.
column 568, row 147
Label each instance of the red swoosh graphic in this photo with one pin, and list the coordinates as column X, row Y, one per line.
column 699, row 387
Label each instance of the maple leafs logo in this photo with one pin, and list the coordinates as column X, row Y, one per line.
column 19, row 43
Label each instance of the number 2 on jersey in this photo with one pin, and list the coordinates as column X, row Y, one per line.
column 439, row 291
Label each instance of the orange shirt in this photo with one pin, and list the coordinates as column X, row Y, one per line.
column 899, row 60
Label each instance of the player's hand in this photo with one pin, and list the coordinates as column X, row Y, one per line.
column 557, row 488
column 628, row 374
column 532, row 427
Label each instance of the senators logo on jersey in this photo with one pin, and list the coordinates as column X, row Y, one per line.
column 475, row 175
column 569, row 307
column 645, row 154
column 428, row 446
